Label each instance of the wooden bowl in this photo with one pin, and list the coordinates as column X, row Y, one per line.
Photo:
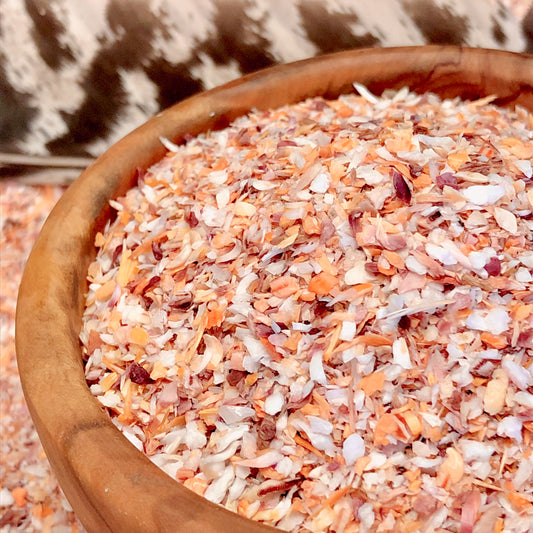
column 110, row 484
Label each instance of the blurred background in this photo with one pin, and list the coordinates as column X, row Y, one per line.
column 76, row 76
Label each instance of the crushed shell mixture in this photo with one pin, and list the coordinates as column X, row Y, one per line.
column 321, row 317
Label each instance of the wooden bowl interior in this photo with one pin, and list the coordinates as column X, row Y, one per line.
column 111, row 485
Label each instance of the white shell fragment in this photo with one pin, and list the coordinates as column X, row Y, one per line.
column 511, row 426
column 169, row 145
column 232, row 414
column 518, row 374
column 524, row 165
column 400, row 353
column 496, row 320
column 370, row 175
column 6, row 498
column 274, row 403
column 348, row 330
column 353, row 448
column 316, row 368
column 365, row 93
column 357, row 274
column 321, row 183
column 483, row 194
column 440, row 253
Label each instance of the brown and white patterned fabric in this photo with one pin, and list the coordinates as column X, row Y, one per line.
column 76, row 76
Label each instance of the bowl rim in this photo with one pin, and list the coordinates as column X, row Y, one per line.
column 102, row 474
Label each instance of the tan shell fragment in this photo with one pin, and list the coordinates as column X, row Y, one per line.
column 506, row 220
column 494, row 399
column 453, row 467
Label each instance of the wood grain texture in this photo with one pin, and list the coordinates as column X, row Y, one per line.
column 111, row 485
